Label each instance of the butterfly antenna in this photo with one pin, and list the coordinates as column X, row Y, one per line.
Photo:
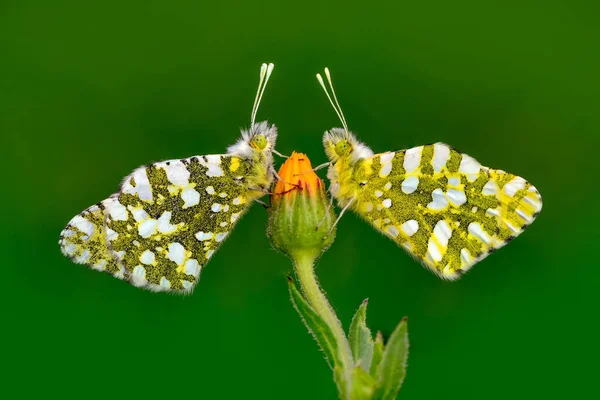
column 336, row 105
column 265, row 73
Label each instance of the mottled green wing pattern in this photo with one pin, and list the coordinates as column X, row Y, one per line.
column 443, row 207
column 165, row 223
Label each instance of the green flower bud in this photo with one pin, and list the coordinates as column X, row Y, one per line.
column 300, row 219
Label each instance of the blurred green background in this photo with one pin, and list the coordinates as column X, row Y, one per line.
column 91, row 90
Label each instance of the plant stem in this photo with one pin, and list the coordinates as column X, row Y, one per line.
column 303, row 264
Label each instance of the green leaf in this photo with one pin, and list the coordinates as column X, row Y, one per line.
column 316, row 326
column 363, row 385
column 392, row 369
column 377, row 354
column 360, row 338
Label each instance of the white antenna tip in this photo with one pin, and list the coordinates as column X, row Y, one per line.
column 270, row 69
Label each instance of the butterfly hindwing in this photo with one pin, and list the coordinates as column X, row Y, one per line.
column 442, row 206
column 170, row 217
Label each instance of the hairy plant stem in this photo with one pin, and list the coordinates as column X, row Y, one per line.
column 304, row 267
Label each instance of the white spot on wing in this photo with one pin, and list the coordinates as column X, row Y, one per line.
column 454, row 181
column 216, row 207
column 387, row 157
column 220, row 236
column 83, row 225
column 468, row 165
column 147, row 227
column 475, row 229
column 524, row 215
column 147, row 257
column 142, row 185
column 392, row 230
column 456, row 197
column 439, row 200
column 164, row 223
column 176, row 253
column 410, row 184
column 410, row 227
column 110, row 234
column 138, row 213
column 164, row 283
column 202, row 236
column 513, row 228
column 412, row 159
column 442, row 232
column 465, row 256
column 433, row 252
column 192, row 267
column 117, row 211
column 213, row 163
column 138, row 276
column 190, row 197
column 210, row 190
column 386, row 169
column 517, row 183
column 176, row 171
column 84, row 257
column 387, row 203
column 441, row 153
column 491, row 187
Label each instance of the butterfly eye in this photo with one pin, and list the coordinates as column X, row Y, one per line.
column 259, row 142
column 342, row 148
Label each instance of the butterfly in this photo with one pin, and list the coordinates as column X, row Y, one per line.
column 168, row 218
column 445, row 208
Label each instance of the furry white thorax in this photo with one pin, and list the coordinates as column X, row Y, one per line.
column 242, row 147
column 359, row 150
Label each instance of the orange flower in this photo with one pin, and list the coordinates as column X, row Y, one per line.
column 302, row 225
column 296, row 173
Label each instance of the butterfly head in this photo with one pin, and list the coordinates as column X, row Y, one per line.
column 260, row 138
column 340, row 144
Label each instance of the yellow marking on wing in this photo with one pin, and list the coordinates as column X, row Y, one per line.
column 235, row 164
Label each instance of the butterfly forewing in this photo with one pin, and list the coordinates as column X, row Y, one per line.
column 442, row 206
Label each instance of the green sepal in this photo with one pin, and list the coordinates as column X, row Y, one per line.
column 363, row 385
column 392, row 369
column 377, row 354
column 361, row 341
column 316, row 326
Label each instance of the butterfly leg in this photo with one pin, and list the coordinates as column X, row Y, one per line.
column 276, row 175
column 318, row 167
column 262, row 203
column 279, row 154
column 339, row 217
column 328, row 208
